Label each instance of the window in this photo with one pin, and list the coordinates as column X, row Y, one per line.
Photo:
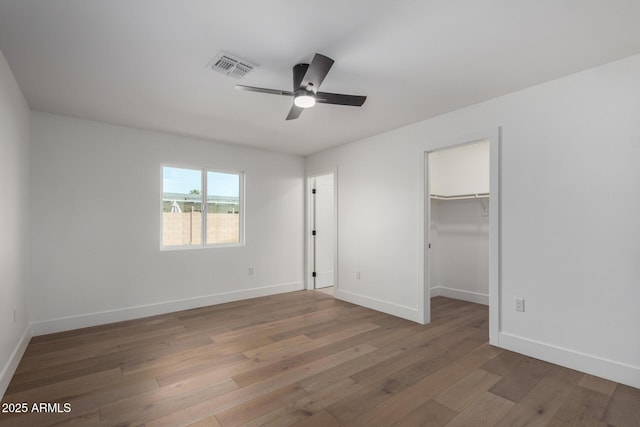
column 201, row 207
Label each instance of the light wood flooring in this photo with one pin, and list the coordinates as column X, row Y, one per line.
column 305, row 359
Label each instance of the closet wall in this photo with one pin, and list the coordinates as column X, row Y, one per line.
column 459, row 254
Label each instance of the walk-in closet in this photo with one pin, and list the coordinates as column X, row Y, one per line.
column 459, row 222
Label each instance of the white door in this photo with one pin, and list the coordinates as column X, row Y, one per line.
column 324, row 228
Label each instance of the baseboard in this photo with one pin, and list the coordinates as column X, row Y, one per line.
column 469, row 296
column 10, row 367
column 128, row 313
column 398, row 310
column 600, row 367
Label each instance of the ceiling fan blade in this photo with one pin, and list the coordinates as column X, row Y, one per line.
column 263, row 90
column 295, row 112
column 317, row 71
column 299, row 71
column 340, row 99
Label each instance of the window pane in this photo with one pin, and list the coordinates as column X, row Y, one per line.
column 181, row 206
column 223, row 207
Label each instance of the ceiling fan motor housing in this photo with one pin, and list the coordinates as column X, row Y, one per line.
column 304, row 97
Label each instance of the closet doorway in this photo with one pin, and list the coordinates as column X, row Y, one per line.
column 322, row 232
column 459, row 226
column 459, row 200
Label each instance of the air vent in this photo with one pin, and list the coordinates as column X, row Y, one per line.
column 230, row 65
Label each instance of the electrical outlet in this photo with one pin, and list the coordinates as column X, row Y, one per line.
column 358, row 275
column 250, row 271
column 519, row 304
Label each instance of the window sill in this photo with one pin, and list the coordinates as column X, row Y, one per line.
column 200, row 247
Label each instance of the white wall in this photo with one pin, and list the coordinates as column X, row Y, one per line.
column 14, row 176
column 95, row 225
column 376, row 222
column 460, row 170
column 569, row 216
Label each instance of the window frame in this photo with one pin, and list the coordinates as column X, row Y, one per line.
column 203, row 211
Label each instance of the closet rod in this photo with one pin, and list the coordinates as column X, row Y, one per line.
column 461, row 196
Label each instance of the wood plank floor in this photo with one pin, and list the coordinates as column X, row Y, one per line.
column 304, row 359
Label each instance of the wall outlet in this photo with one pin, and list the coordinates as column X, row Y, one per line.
column 358, row 275
column 519, row 304
column 250, row 271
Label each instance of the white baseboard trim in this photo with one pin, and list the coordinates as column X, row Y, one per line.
column 10, row 367
column 600, row 367
column 398, row 310
column 128, row 313
column 469, row 296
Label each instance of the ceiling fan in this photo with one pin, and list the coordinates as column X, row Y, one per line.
column 307, row 78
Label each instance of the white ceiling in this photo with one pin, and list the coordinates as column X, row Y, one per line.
column 142, row 63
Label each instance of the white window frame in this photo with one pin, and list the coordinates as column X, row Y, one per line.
column 203, row 195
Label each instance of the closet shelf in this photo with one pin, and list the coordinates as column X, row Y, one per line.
column 461, row 196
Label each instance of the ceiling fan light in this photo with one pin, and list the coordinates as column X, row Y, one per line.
column 304, row 101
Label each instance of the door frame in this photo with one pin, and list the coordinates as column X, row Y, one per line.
column 308, row 279
column 424, row 219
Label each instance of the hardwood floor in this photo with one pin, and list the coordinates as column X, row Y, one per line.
column 304, row 359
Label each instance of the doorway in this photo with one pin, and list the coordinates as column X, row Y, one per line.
column 322, row 232
column 459, row 196
column 484, row 212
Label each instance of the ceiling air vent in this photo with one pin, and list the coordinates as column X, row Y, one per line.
column 231, row 65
